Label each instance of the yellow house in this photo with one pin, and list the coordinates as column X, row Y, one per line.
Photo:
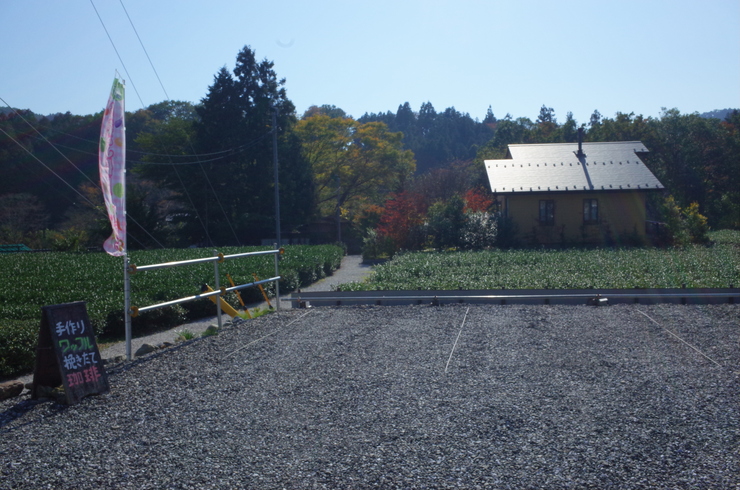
column 574, row 192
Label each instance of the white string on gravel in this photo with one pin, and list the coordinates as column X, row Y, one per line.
column 269, row 334
column 458, row 338
column 679, row 338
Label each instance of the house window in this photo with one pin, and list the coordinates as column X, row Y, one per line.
column 547, row 212
column 590, row 211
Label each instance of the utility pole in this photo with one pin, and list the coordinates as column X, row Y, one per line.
column 275, row 168
column 339, row 210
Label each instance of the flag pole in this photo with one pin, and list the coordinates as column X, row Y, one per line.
column 126, row 276
column 127, row 300
column 127, row 304
column 112, row 167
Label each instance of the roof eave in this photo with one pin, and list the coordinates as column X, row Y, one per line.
column 577, row 191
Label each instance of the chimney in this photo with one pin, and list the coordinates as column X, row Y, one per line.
column 580, row 153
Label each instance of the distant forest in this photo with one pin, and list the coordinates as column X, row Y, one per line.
column 202, row 174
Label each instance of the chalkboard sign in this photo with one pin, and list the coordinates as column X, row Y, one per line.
column 67, row 353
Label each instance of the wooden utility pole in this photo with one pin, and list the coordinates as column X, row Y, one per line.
column 275, row 167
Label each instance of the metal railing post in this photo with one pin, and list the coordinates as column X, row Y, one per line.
column 277, row 283
column 217, row 287
column 127, row 305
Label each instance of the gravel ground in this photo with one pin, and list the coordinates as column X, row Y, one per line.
column 351, row 269
column 407, row 397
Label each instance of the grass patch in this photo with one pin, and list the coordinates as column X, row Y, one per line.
column 183, row 335
column 258, row 312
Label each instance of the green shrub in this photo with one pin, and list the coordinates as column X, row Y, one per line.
column 684, row 226
column 479, row 231
column 258, row 312
column 445, row 223
column 696, row 224
column 376, row 246
column 182, row 335
column 70, row 240
column 18, row 340
column 728, row 210
column 675, row 228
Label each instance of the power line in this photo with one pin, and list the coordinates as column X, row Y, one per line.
column 71, row 163
column 142, row 104
column 117, row 53
column 142, row 162
column 145, row 51
column 228, row 221
column 45, row 139
column 146, row 153
column 47, row 167
column 84, row 197
column 231, row 153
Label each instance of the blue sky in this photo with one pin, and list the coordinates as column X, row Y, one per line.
column 571, row 55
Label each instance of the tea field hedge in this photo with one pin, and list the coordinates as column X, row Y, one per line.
column 31, row 280
column 717, row 266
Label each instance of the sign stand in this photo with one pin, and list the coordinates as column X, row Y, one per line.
column 67, row 353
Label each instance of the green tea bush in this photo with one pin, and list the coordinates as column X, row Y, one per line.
column 147, row 322
column 30, row 281
column 695, row 266
column 18, row 341
column 725, row 237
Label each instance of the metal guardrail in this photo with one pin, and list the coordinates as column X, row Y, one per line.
column 219, row 291
column 133, row 311
column 518, row 296
column 219, row 257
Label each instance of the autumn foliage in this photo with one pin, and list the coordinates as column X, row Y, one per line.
column 478, row 200
column 404, row 212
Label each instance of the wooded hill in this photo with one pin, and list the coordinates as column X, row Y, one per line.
column 202, row 174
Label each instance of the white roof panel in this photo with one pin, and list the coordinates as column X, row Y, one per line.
column 557, row 168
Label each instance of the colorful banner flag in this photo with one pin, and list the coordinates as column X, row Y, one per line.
column 112, row 163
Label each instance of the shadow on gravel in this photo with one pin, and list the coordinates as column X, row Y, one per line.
column 25, row 407
column 122, row 367
column 21, row 409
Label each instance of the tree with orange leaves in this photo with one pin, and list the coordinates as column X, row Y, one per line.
column 402, row 220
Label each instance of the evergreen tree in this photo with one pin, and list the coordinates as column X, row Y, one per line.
column 490, row 118
column 233, row 198
column 569, row 129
